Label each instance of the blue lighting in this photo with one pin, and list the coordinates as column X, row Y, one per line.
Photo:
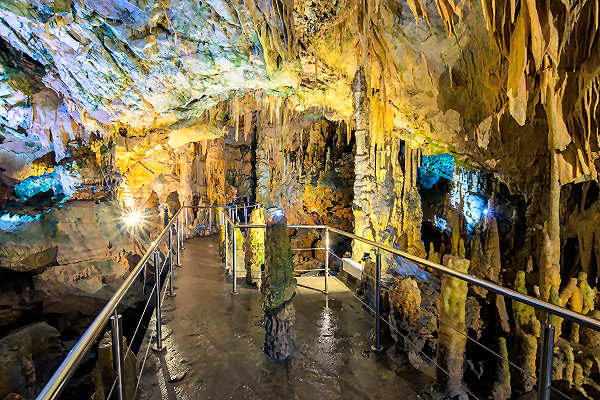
column 60, row 181
column 485, row 211
column 10, row 223
column 276, row 212
column 434, row 167
column 440, row 222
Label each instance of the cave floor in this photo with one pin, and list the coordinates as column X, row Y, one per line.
column 214, row 343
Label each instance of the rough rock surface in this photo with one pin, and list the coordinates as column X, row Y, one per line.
column 254, row 243
column 451, row 344
column 79, row 255
column 29, row 356
column 278, row 287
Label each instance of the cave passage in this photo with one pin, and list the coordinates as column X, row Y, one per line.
column 215, row 341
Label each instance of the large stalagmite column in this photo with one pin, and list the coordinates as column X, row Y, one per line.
column 254, row 244
column 185, row 181
column 364, row 181
column 451, row 344
column 278, row 287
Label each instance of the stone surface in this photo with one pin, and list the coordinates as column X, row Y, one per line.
column 451, row 344
column 29, row 356
column 79, row 253
column 278, row 287
column 254, row 243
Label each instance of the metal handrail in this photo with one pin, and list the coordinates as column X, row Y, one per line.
column 66, row 369
column 56, row 383
column 504, row 291
column 58, row 380
column 512, row 294
column 545, row 376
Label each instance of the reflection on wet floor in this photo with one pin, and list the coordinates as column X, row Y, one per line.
column 214, row 343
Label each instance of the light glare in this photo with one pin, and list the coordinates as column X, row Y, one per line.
column 133, row 218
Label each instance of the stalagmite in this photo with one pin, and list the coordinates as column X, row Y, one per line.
column 254, row 244
column 103, row 374
column 528, row 329
column 185, row 191
column 364, row 182
column 451, row 344
column 502, row 389
column 278, row 287
column 412, row 212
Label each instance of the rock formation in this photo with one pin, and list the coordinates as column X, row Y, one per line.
column 331, row 112
column 254, row 243
column 451, row 343
column 278, row 287
column 29, row 357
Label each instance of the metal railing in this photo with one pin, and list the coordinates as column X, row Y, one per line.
column 178, row 225
column 547, row 348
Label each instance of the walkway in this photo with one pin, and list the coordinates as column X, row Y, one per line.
column 214, row 343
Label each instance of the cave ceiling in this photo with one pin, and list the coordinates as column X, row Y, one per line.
column 494, row 82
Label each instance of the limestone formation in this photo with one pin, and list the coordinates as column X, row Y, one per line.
column 254, row 243
column 78, row 254
column 278, row 287
column 406, row 299
column 103, row 374
column 29, row 356
column 451, row 344
column 528, row 330
column 502, row 389
column 327, row 110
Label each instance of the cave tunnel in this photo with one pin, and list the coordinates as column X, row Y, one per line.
column 299, row 199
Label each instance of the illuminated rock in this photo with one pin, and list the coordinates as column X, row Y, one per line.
column 254, row 244
column 278, row 287
column 451, row 341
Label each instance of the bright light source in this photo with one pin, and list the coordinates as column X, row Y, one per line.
column 485, row 211
column 275, row 212
column 133, row 218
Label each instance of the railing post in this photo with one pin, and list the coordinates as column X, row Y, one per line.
column 377, row 347
column 326, row 260
column 209, row 221
column 117, row 353
column 233, row 262
column 186, row 225
column 178, row 242
column 171, row 293
column 545, row 378
column 245, row 214
column 181, row 229
column 226, row 243
column 159, row 344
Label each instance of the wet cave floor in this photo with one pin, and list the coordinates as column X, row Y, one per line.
column 214, row 343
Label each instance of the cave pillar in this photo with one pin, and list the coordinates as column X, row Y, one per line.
column 411, row 205
column 262, row 170
column 451, row 343
column 254, row 244
column 550, row 270
column 364, row 181
column 185, row 180
column 278, row 287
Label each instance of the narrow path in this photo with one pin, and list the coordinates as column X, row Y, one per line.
column 215, row 343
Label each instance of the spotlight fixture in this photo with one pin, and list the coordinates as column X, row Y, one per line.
column 486, row 211
column 133, row 218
